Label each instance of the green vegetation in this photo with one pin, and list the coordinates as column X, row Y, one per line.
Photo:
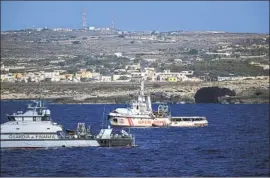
column 254, row 52
column 221, row 68
column 76, row 42
column 226, row 67
column 193, row 52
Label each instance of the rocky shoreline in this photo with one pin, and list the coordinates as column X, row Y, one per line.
column 247, row 92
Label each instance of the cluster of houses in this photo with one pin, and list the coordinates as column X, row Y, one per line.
column 129, row 74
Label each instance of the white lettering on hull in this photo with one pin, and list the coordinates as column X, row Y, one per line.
column 32, row 136
column 137, row 122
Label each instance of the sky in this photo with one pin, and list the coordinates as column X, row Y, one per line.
column 229, row 16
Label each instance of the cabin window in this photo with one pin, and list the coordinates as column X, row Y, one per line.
column 114, row 120
column 48, row 128
column 11, row 118
column 45, row 118
column 17, row 128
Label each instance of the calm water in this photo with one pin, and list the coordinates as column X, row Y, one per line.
column 236, row 143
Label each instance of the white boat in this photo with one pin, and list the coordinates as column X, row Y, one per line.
column 140, row 114
column 36, row 129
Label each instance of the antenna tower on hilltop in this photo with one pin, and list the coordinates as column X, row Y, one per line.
column 84, row 25
column 113, row 25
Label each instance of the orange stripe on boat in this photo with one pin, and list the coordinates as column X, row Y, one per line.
column 129, row 121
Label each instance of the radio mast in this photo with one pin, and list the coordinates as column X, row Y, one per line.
column 84, row 25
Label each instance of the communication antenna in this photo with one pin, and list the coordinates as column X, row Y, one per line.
column 113, row 24
column 102, row 124
column 84, row 25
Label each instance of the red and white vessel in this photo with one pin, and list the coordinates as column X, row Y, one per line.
column 140, row 114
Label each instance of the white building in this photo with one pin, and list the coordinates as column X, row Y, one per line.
column 120, row 70
column 136, row 74
column 92, row 28
column 223, row 78
column 191, row 79
column 106, row 78
column 51, row 74
column 199, row 59
column 150, row 73
column 118, row 54
column 133, row 67
column 190, row 72
column 221, row 54
column 167, row 74
column 150, row 60
column 178, row 61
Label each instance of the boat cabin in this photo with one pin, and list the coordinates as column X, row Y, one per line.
column 163, row 111
column 36, row 113
column 142, row 105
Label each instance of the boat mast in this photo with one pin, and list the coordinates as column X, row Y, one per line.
column 141, row 93
column 142, row 85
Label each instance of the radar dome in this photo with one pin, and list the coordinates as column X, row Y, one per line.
column 48, row 112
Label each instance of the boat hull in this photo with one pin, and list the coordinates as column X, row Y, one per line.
column 47, row 143
column 115, row 142
column 65, row 143
column 157, row 122
column 138, row 122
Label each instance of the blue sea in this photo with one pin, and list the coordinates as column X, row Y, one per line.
column 236, row 143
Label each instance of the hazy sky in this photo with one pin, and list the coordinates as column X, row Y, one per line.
column 230, row 16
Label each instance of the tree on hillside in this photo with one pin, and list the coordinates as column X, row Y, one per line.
column 193, row 52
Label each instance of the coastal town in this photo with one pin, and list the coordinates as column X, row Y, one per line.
column 107, row 55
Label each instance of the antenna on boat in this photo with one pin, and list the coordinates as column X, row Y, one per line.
column 102, row 124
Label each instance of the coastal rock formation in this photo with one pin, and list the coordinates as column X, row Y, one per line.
column 212, row 94
column 247, row 91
